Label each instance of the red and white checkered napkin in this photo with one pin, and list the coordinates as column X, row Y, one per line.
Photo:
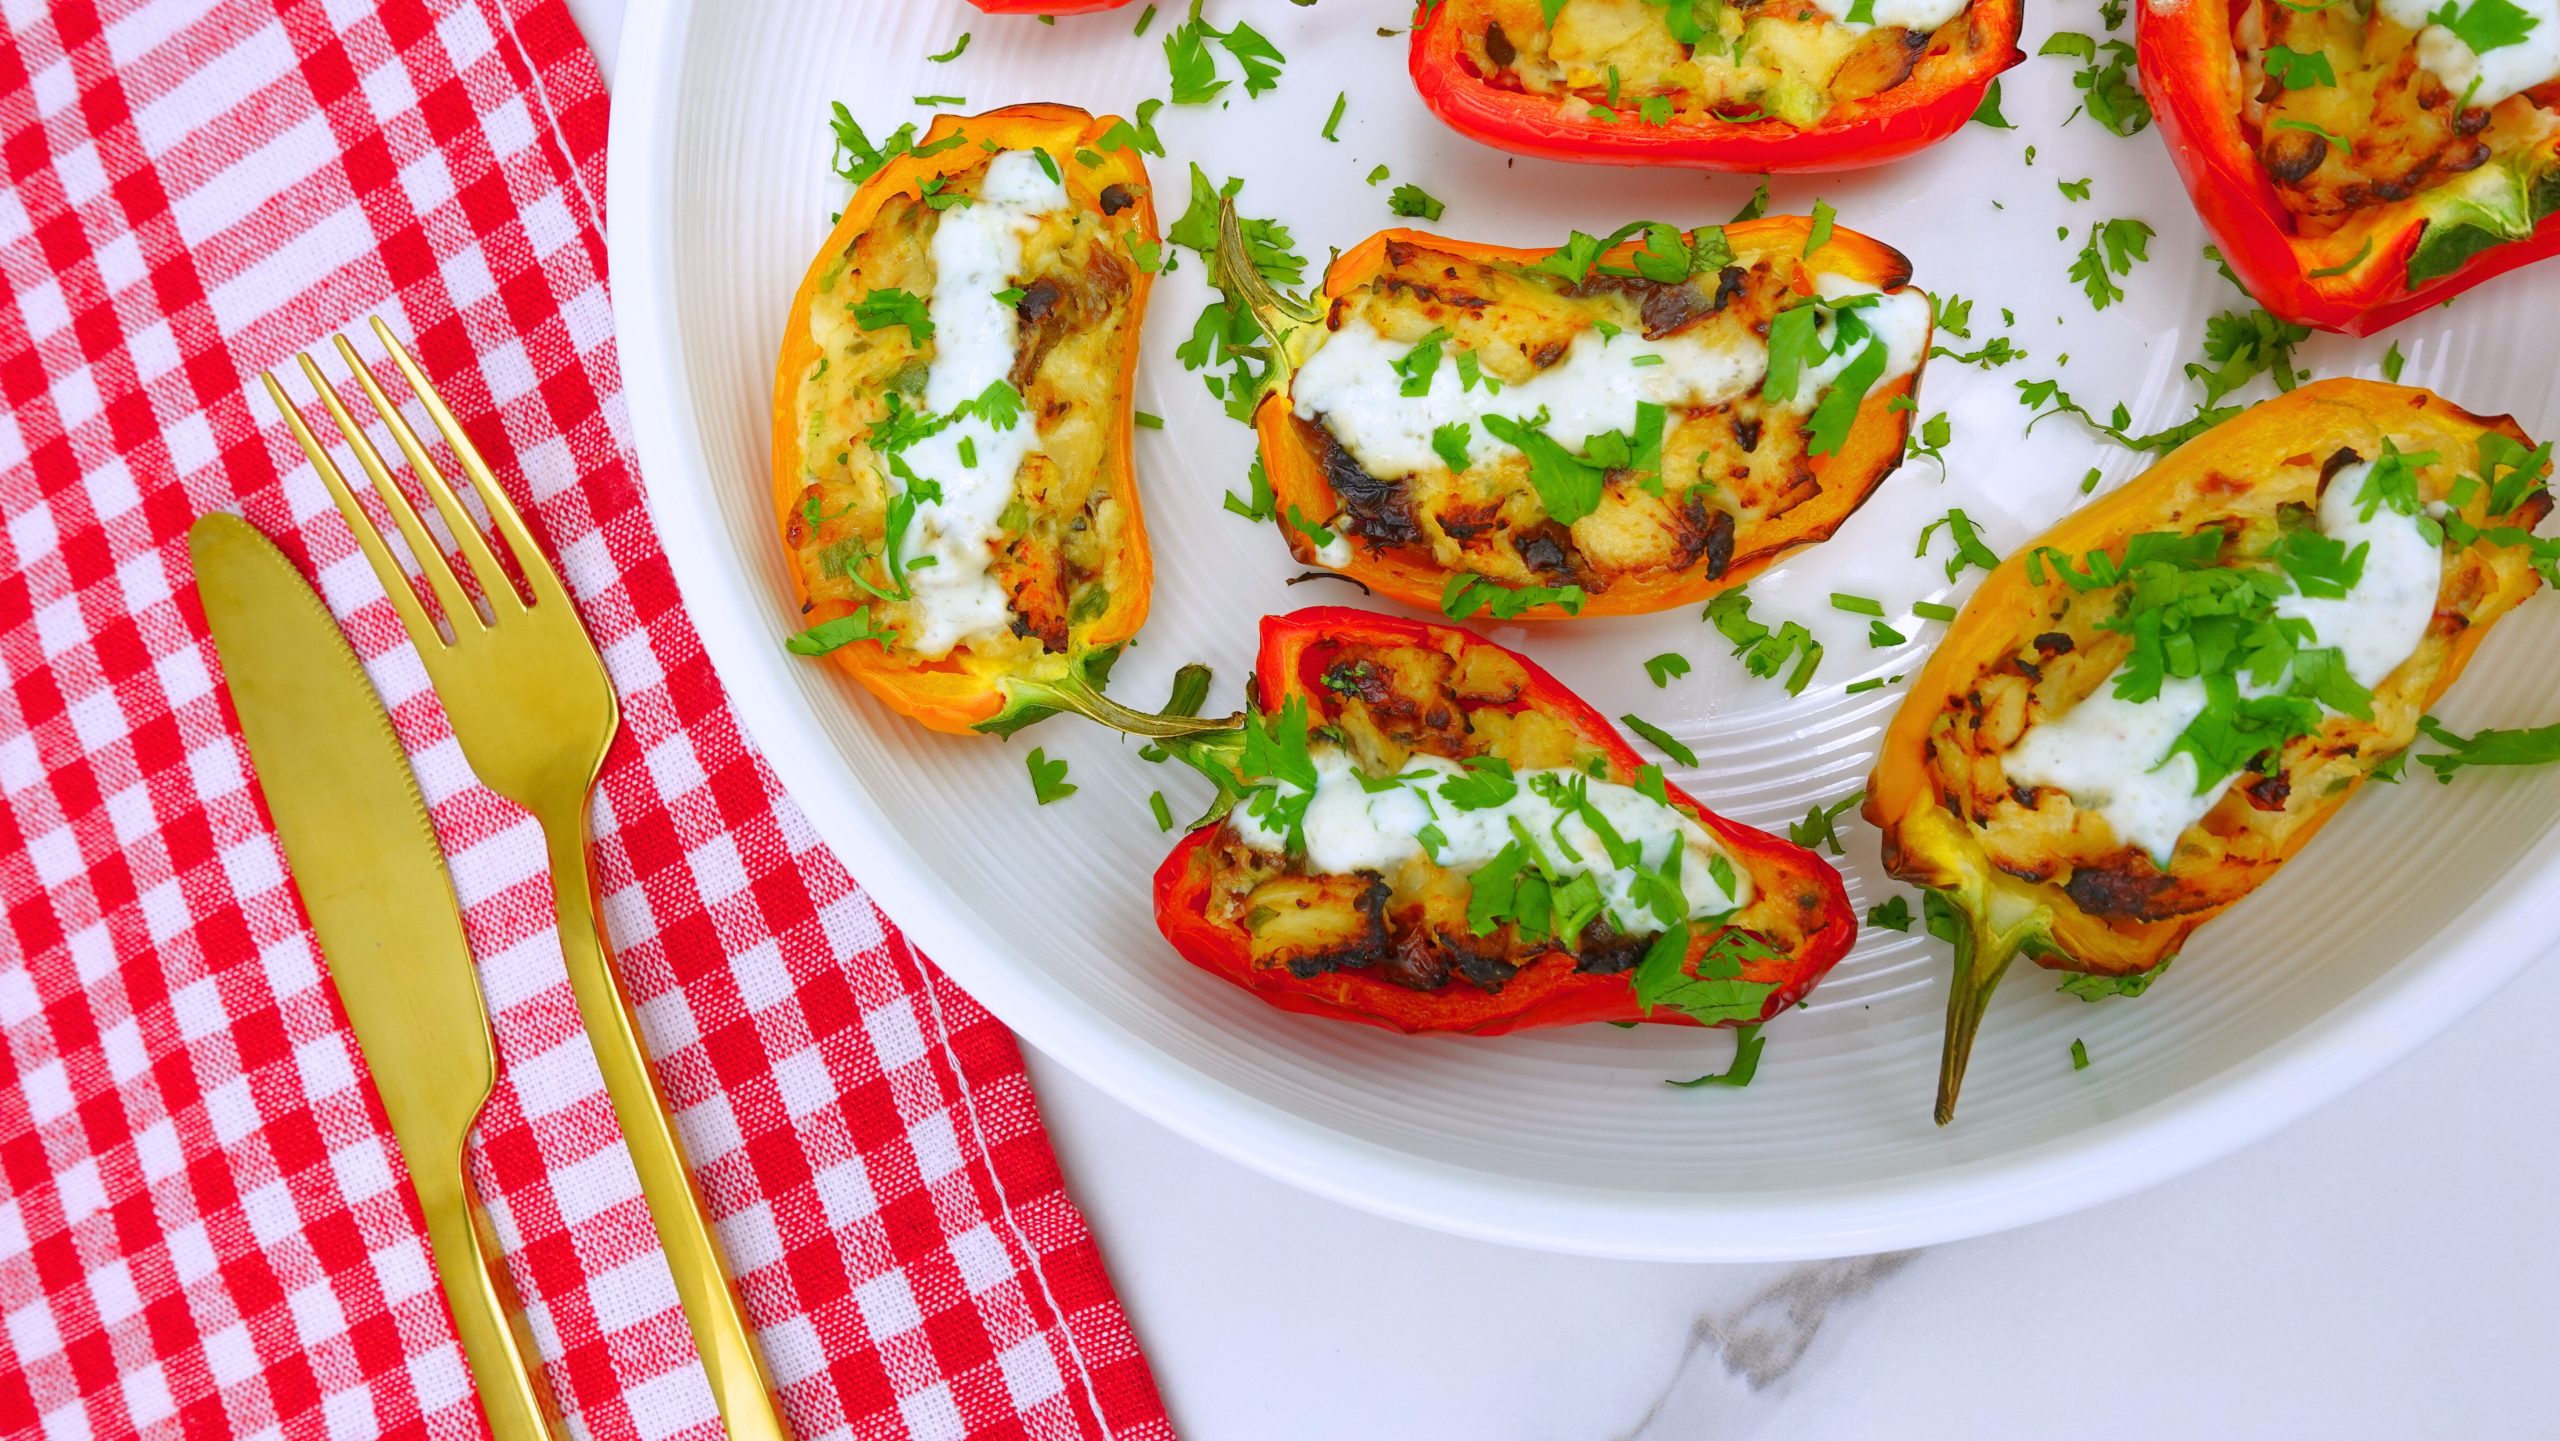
column 202, row 1227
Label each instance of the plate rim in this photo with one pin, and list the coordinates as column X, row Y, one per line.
column 2350, row 1043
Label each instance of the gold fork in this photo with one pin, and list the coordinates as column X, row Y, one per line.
column 533, row 710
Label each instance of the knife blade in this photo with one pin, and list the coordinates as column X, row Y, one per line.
column 372, row 877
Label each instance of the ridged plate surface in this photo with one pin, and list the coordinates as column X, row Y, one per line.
column 2415, row 905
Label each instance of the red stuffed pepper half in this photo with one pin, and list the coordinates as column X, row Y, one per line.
column 2360, row 162
column 1420, row 829
column 1742, row 85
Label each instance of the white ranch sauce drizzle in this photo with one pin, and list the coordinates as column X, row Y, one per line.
column 1349, row 829
column 2106, row 753
column 1921, row 15
column 977, row 251
column 2507, row 70
column 1351, row 384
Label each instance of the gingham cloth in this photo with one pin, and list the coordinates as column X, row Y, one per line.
column 203, row 1229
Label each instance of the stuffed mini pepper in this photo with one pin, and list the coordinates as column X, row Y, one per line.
column 1758, row 86
column 2144, row 713
column 2359, row 162
column 1421, row 830
column 1623, row 424
column 951, row 423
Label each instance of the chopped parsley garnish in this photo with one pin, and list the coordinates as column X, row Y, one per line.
column 1136, row 132
column 1341, row 103
column 2308, row 128
column 1765, row 652
column 1257, row 503
column 889, row 306
column 1712, row 991
column 2299, row 69
column 2240, row 346
column 1413, row 202
column 1195, row 72
column 1820, row 828
column 1893, row 915
column 2098, row 988
column 2344, row 266
column 947, row 56
column 1663, row 740
column 1970, row 551
column 1666, row 668
column 2534, row 747
column 2105, row 80
column 1988, row 112
column 1932, row 610
column 1317, row 535
column 844, row 630
column 1146, row 18
column 1856, row 604
column 1048, row 778
column 1932, row 439
column 931, row 101
column 1568, row 486
column 1747, row 1040
column 1377, row 175
column 2074, row 189
column 1145, row 421
column 2079, row 1054
column 1449, row 442
column 1756, row 206
column 856, row 159
column 1163, row 812
column 1820, row 235
column 2112, row 250
column 1466, row 593
column 2485, row 25
column 2392, row 361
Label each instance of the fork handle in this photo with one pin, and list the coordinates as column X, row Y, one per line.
column 711, row 1306
column 485, row 1316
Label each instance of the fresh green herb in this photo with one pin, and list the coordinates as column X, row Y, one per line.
column 1418, row 365
column 2308, row 128
column 2485, row 25
column 930, row 102
column 1146, row 18
column 1048, row 778
column 1931, row 441
column 1880, row 635
column 1856, row 604
column 1449, row 442
column 1663, row 740
column 844, row 630
column 1414, row 202
column 2326, row 271
column 2534, row 747
column 1145, row 421
column 1466, row 593
column 2074, row 189
column 1654, row 109
column 1317, row 535
column 1952, row 314
column 2112, row 249
column 1256, row 505
column 1712, row 991
column 2079, row 1055
column 856, row 159
column 2105, row 81
column 1568, row 486
column 2098, row 988
column 947, row 56
column 1820, row 235
column 1341, row 102
column 1137, row 132
column 2239, row 346
column 1970, row 551
column 1996, row 352
column 2089, row 482
column 1163, row 812
column 1666, row 668
column 1821, row 825
column 1837, row 412
column 1988, row 112
column 2392, row 361
column 1756, row 206
column 2299, row 69
column 1893, row 915
column 889, row 306
column 2036, row 395
column 1377, row 175
column 1747, row 1040
column 1195, row 73
column 1932, row 610
column 1764, row 652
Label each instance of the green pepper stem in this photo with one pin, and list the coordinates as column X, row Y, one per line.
column 1282, row 316
column 1074, row 692
column 1985, row 943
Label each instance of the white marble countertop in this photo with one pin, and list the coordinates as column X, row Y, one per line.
column 2386, row 1268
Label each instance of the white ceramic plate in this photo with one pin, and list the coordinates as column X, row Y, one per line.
column 2414, row 906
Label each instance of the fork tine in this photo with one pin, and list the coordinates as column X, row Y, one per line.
column 458, row 611
column 537, row 568
column 386, row 568
column 495, row 588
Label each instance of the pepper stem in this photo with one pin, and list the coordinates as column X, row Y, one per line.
column 1074, row 692
column 1282, row 316
column 1985, row 943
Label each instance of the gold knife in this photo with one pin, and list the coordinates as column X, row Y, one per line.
column 372, row 877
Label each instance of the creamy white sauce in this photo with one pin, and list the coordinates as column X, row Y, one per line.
column 977, row 251
column 2107, row 753
column 1923, row 15
column 1351, row 383
column 1349, row 828
column 2505, row 71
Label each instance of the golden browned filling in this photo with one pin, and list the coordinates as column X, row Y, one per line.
column 907, row 508
column 2072, row 653
column 1386, row 711
column 1695, row 60
column 2354, row 107
column 1695, row 485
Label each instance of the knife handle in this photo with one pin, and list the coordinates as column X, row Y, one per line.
column 712, row 1309
column 504, row 1368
